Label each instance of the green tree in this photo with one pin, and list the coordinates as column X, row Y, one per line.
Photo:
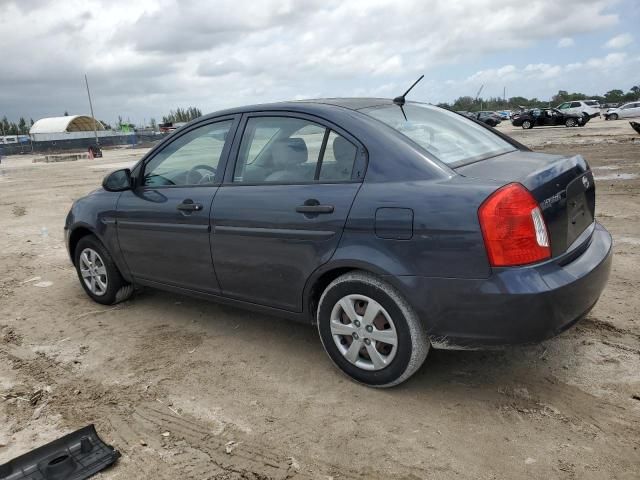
column 614, row 96
column 4, row 126
column 182, row 115
column 22, row 126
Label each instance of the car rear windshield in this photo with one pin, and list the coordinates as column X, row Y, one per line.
column 451, row 138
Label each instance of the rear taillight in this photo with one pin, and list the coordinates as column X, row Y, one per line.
column 513, row 228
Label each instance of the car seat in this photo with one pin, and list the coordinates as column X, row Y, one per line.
column 344, row 153
column 289, row 155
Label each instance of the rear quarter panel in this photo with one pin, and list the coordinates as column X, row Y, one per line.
column 446, row 240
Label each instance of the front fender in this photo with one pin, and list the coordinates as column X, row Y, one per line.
column 96, row 214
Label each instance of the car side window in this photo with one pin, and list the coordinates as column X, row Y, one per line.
column 292, row 150
column 563, row 106
column 191, row 159
column 339, row 157
column 575, row 104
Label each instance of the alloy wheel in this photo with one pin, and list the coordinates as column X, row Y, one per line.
column 93, row 271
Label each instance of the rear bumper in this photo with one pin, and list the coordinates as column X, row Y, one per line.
column 515, row 305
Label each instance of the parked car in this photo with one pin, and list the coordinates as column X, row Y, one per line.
column 394, row 230
column 589, row 108
column 490, row 118
column 539, row 117
column 504, row 114
column 628, row 110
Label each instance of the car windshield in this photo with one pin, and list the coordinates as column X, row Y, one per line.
column 449, row 137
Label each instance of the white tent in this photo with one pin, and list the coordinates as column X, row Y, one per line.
column 70, row 123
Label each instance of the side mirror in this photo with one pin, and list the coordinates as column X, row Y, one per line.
column 117, row 181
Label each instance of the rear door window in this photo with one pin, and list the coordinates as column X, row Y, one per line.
column 291, row 150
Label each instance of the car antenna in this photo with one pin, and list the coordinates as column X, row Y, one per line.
column 400, row 101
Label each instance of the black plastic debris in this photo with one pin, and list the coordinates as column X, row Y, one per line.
column 635, row 126
column 75, row 456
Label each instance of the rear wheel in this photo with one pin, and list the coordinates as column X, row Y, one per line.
column 98, row 274
column 570, row 122
column 369, row 331
column 527, row 124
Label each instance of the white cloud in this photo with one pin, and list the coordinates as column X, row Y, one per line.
column 620, row 41
column 566, row 42
column 547, row 79
column 148, row 56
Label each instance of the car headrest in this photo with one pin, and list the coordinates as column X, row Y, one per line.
column 343, row 151
column 289, row 152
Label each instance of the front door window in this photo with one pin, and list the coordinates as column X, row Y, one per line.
column 191, row 159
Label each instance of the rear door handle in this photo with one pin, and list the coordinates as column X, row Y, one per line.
column 188, row 205
column 315, row 209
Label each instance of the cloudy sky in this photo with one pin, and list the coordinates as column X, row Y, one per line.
column 144, row 57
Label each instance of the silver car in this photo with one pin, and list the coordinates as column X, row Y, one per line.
column 628, row 110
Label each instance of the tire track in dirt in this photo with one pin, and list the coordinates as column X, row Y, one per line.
column 128, row 417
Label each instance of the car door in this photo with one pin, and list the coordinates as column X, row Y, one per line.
column 630, row 110
column 163, row 222
column 280, row 213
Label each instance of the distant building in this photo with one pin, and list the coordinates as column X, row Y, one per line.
column 170, row 126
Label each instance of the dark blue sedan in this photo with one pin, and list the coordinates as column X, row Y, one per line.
column 393, row 229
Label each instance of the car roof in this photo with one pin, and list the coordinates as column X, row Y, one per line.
column 354, row 103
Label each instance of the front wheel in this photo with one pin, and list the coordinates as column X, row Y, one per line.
column 369, row 330
column 613, row 116
column 571, row 122
column 98, row 273
column 527, row 125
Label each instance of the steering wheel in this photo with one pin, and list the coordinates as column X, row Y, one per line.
column 206, row 178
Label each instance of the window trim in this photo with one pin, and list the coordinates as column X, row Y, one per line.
column 138, row 170
column 359, row 166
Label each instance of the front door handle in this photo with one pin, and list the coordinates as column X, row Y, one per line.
column 189, row 205
column 315, row 209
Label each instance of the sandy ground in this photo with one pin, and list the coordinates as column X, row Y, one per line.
column 188, row 389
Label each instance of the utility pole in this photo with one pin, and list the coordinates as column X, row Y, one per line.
column 95, row 126
column 478, row 94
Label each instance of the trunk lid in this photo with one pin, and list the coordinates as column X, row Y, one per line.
column 563, row 186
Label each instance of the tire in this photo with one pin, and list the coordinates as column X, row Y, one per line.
column 92, row 259
column 613, row 116
column 527, row 124
column 570, row 122
column 393, row 364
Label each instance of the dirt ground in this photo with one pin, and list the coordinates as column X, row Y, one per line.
column 193, row 390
